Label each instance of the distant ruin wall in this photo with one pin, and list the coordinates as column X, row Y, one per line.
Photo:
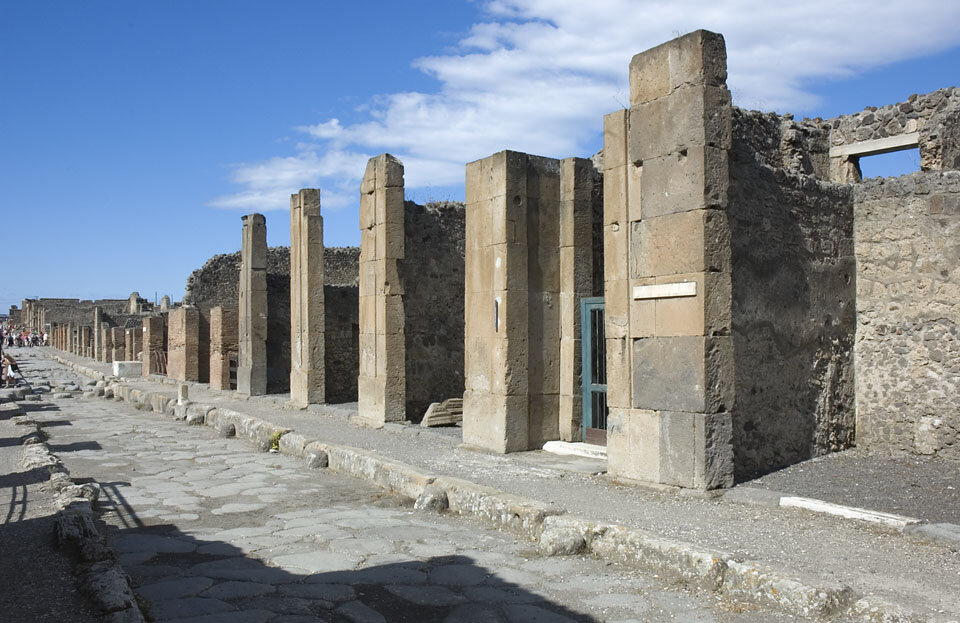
column 217, row 283
column 432, row 273
column 793, row 313
column 908, row 303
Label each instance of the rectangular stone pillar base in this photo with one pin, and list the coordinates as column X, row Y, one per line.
column 306, row 387
column 251, row 381
column 692, row 450
column 496, row 423
column 376, row 405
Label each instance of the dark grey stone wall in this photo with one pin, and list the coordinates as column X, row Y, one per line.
column 793, row 308
column 908, row 304
column 341, row 342
column 432, row 273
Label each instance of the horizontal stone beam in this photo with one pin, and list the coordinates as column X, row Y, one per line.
column 877, row 146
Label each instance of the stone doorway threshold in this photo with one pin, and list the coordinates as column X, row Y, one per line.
column 566, row 448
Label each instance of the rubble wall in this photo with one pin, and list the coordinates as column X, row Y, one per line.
column 934, row 115
column 341, row 342
column 432, row 273
column 793, row 307
column 908, row 302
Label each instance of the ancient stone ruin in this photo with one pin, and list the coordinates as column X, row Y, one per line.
column 716, row 295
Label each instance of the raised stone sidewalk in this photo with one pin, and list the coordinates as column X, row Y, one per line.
column 806, row 563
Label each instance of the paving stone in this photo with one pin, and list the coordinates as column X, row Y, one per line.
column 328, row 592
column 188, row 607
column 231, row 590
column 533, row 614
column 317, row 562
column 458, row 575
column 173, row 589
column 427, row 595
column 360, row 613
column 151, row 543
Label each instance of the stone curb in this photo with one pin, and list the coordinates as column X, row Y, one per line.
column 556, row 532
column 101, row 577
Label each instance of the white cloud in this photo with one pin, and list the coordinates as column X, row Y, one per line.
column 539, row 75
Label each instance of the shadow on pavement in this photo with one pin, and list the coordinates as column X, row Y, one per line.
column 178, row 577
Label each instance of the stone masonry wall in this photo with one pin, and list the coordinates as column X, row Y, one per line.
column 908, row 302
column 933, row 115
column 432, row 273
column 341, row 342
column 793, row 312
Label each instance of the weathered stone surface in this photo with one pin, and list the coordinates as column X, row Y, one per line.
column 252, row 323
column 307, row 340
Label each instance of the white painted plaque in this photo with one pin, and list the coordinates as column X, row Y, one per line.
column 665, row 290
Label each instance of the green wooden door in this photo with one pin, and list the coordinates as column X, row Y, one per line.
column 594, row 364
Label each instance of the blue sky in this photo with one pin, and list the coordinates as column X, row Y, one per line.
column 133, row 136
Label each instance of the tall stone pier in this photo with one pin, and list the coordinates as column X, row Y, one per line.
column 381, row 384
column 667, row 261
column 252, row 313
column 183, row 344
column 223, row 345
column 512, row 333
column 154, row 354
column 307, row 375
column 117, row 344
column 97, row 335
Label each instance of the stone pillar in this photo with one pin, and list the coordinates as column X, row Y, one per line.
column 97, row 335
column 183, row 344
column 512, row 306
column 164, row 304
column 381, row 384
column 154, row 354
column 578, row 177
column 117, row 342
column 223, row 344
column 132, row 343
column 667, row 269
column 106, row 338
column 252, row 314
column 85, row 341
column 307, row 376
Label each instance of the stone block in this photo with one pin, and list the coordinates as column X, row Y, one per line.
column 713, row 458
column 643, row 316
column 127, row 369
column 695, row 178
column 707, row 313
column 692, row 374
column 677, row 448
column 619, row 379
column 615, row 130
column 685, row 242
column 543, row 419
column 691, row 116
column 617, row 241
column 699, row 57
column 615, row 196
column 494, row 422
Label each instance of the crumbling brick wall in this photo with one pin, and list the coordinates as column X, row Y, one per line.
column 793, row 313
column 908, row 304
column 432, row 273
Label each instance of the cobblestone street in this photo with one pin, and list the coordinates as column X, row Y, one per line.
column 210, row 530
